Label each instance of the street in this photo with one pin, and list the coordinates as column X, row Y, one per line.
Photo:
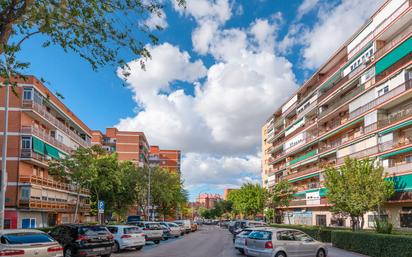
column 209, row 241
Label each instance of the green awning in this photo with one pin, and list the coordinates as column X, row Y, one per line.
column 305, row 177
column 323, row 191
column 402, row 183
column 38, row 145
column 409, row 149
column 328, row 153
column 303, row 157
column 305, row 162
column 403, row 124
column 52, row 152
column 395, row 55
column 330, row 81
column 340, row 129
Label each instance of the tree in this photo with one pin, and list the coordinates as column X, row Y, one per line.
column 280, row 196
column 94, row 29
column 249, row 200
column 356, row 188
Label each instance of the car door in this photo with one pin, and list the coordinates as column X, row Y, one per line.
column 307, row 245
column 286, row 240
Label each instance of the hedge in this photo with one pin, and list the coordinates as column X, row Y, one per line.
column 373, row 244
column 322, row 234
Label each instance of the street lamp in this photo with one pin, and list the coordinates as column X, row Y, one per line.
column 148, row 194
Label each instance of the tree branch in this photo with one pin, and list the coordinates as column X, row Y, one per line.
column 27, row 37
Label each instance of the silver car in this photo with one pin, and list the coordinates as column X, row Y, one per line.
column 240, row 238
column 277, row 242
column 28, row 243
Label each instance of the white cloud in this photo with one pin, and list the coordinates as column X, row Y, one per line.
column 305, row 7
column 264, row 32
column 217, row 10
column 334, row 27
column 156, row 20
column 222, row 172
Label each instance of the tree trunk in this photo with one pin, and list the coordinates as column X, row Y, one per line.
column 353, row 220
column 362, row 222
column 77, row 205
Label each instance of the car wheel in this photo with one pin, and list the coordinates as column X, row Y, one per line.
column 156, row 241
column 116, row 247
column 241, row 251
column 139, row 248
column 321, row 253
column 281, row 254
column 106, row 255
column 68, row 252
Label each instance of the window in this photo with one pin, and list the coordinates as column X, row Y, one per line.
column 28, row 94
column 406, row 217
column 300, row 236
column 285, row 236
column 373, row 218
column 383, row 90
column 261, row 235
column 112, row 230
column 27, row 238
column 28, row 223
column 320, row 220
column 25, row 193
column 7, row 224
column 26, row 142
column 60, row 138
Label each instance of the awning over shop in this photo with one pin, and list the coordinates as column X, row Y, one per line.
column 38, row 145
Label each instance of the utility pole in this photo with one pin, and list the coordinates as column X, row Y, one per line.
column 148, row 195
column 3, row 180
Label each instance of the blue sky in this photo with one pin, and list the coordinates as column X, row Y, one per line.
column 220, row 69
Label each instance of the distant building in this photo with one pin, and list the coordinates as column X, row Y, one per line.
column 129, row 146
column 168, row 159
column 226, row 192
column 208, row 201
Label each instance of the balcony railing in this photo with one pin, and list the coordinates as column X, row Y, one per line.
column 340, row 141
column 30, row 154
column 360, row 154
column 337, row 103
column 42, row 111
column 400, row 115
column 52, row 205
column 301, row 173
column 46, row 182
column 399, row 168
column 42, row 134
column 391, row 94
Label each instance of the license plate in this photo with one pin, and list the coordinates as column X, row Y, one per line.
column 98, row 249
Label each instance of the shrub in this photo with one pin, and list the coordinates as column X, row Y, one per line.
column 383, row 226
column 373, row 244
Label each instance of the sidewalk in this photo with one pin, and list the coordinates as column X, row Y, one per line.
column 336, row 252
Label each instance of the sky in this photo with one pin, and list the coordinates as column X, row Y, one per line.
column 221, row 68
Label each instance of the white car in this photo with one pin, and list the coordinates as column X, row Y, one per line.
column 28, row 243
column 283, row 242
column 127, row 237
column 187, row 225
column 152, row 230
column 175, row 230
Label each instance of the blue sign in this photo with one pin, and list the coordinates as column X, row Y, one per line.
column 100, row 206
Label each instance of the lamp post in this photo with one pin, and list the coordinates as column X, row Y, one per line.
column 3, row 180
column 148, row 195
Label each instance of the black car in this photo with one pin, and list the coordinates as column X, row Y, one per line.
column 84, row 240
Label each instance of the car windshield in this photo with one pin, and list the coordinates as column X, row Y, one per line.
column 153, row 226
column 132, row 230
column 261, row 235
column 93, row 230
column 26, row 238
column 172, row 225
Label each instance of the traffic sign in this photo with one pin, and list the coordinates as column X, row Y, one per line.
column 100, row 206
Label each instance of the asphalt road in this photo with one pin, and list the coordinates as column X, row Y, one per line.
column 209, row 241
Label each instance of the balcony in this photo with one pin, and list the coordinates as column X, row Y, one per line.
column 339, row 141
column 46, row 182
column 301, row 173
column 33, row 157
column 383, row 98
column 359, row 155
column 42, row 111
column 338, row 102
column 43, row 135
column 400, row 115
column 399, row 168
column 53, row 205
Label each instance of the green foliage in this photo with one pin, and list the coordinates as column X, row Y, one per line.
column 96, row 30
column 373, row 244
column 383, row 226
column 249, row 200
column 357, row 187
column 219, row 210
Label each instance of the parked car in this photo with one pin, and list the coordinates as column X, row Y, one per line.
column 166, row 232
column 174, row 229
column 84, row 240
column 238, row 225
column 133, row 218
column 283, row 242
column 193, row 227
column 127, row 237
column 240, row 239
column 152, row 230
column 28, row 243
column 187, row 225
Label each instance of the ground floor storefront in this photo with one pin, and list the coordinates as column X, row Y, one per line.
column 15, row 218
column 399, row 214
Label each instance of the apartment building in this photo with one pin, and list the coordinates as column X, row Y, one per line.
column 129, row 146
column 41, row 128
column 359, row 105
column 208, row 201
column 168, row 159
